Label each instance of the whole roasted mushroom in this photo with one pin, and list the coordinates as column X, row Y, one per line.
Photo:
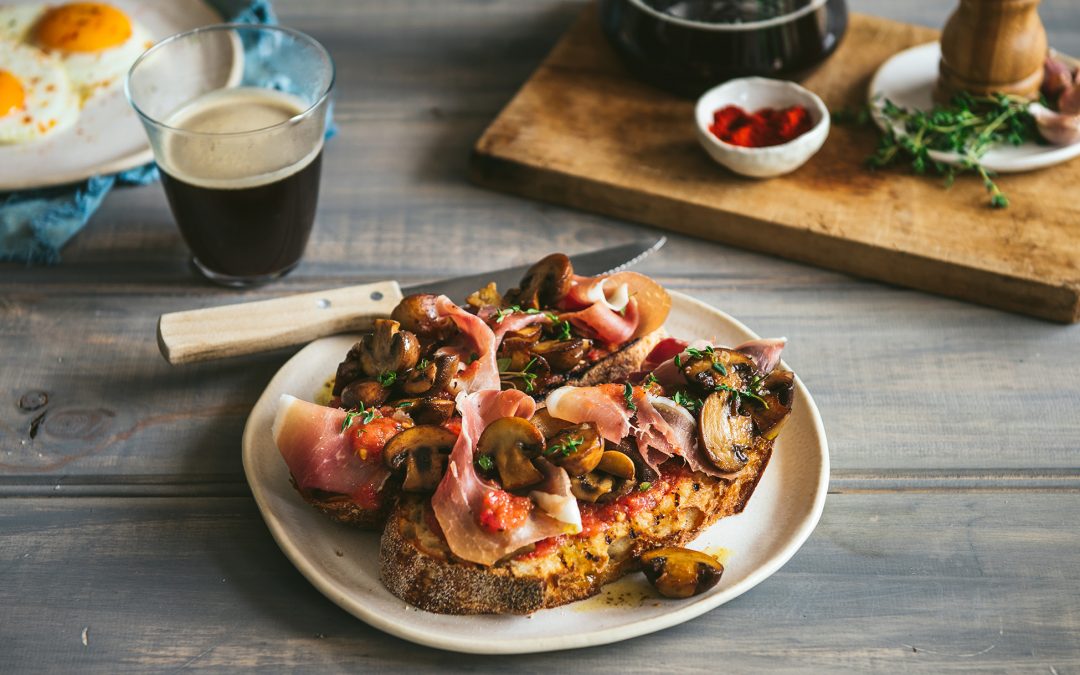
column 726, row 434
column 367, row 392
column 417, row 313
column 421, row 453
column 545, row 284
column 578, row 449
column 432, row 377
column 388, row 349
column 512, row 443
column 680, row 572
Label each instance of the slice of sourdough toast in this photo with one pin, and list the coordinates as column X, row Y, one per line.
column 417, row 566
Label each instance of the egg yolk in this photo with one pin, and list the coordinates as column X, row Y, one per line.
column 83, row 27
column 12, row 95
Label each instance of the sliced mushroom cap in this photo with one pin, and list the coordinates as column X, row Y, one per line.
column 367, row 392
column 388, row 349
column 545, row 284
column 421, row 453
column 548, row 425
column 720, row 366
column 434, row 411
column 592, row 486
column 434, row 377
column 416, row 313
column 725, row 434
column 512, row 442
column 642, row 471
column 680, row 572
column 522, row 339
column 578, row 449
column 778, row 391
column 562, row 355
column 617, row 464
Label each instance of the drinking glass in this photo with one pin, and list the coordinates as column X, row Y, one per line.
column 236, row 115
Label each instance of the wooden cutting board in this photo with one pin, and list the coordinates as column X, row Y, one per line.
column 583, row 133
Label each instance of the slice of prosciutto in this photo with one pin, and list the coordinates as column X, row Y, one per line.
column 601, row 309
column 663, row 429
column 515, row 321
column 764, row 352
column 475, row 347
column 319, row 455
column 460, row 495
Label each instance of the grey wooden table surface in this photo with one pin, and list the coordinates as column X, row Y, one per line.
column 129, row 540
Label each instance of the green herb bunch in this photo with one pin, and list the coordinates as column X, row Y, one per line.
column 968, row 126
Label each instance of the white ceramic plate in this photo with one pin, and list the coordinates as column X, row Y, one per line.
column 108, row 136
column 343, row 563
column 908, row 79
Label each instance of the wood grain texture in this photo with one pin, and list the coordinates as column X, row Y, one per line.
column 930, row 582
column 954, row 437
column 240, row 329
column 583, row 133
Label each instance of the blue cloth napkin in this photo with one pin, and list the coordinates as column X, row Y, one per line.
column 35, row 224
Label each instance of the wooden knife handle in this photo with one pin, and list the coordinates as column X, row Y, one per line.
column 250, row 327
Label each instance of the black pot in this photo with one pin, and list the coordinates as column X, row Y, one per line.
column 688, row 46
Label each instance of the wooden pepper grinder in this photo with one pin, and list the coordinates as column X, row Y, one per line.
column 992, row 46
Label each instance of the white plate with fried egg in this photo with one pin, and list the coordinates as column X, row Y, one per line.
column 63, row 115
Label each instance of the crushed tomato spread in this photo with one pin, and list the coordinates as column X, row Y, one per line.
column 502, row 511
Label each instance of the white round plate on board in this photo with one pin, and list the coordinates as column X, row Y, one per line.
column 908, row 80
column 108, row 136
column 343, row 562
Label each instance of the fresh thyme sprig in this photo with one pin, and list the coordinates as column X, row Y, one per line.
column 366, row 415
column 969, row 126
column 743, row 393
column 565, row 447
column 527, row 377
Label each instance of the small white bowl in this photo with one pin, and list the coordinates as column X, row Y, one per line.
column 752, row 94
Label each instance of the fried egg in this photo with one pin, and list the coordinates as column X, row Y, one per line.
column 95, row 42
column 36, row 96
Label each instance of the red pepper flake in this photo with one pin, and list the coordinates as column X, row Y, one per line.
column 762, row 128
column 502, row 511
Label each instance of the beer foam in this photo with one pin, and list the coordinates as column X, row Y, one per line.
column 240, row 138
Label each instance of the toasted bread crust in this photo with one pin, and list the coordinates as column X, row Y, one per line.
column 617, row 366
column 417, row 566
column 344, row 510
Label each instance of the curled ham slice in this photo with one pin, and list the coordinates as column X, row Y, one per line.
column 461, row 492
column 514, row 322
column 765, row 353
column 319, row 455
column 601, row 309
column 684, row 429
column 663, row 429
column 603, row 405
column 605, row 324
column 477, row 339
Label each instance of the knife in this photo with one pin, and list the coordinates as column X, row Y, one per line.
column 250, row 327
